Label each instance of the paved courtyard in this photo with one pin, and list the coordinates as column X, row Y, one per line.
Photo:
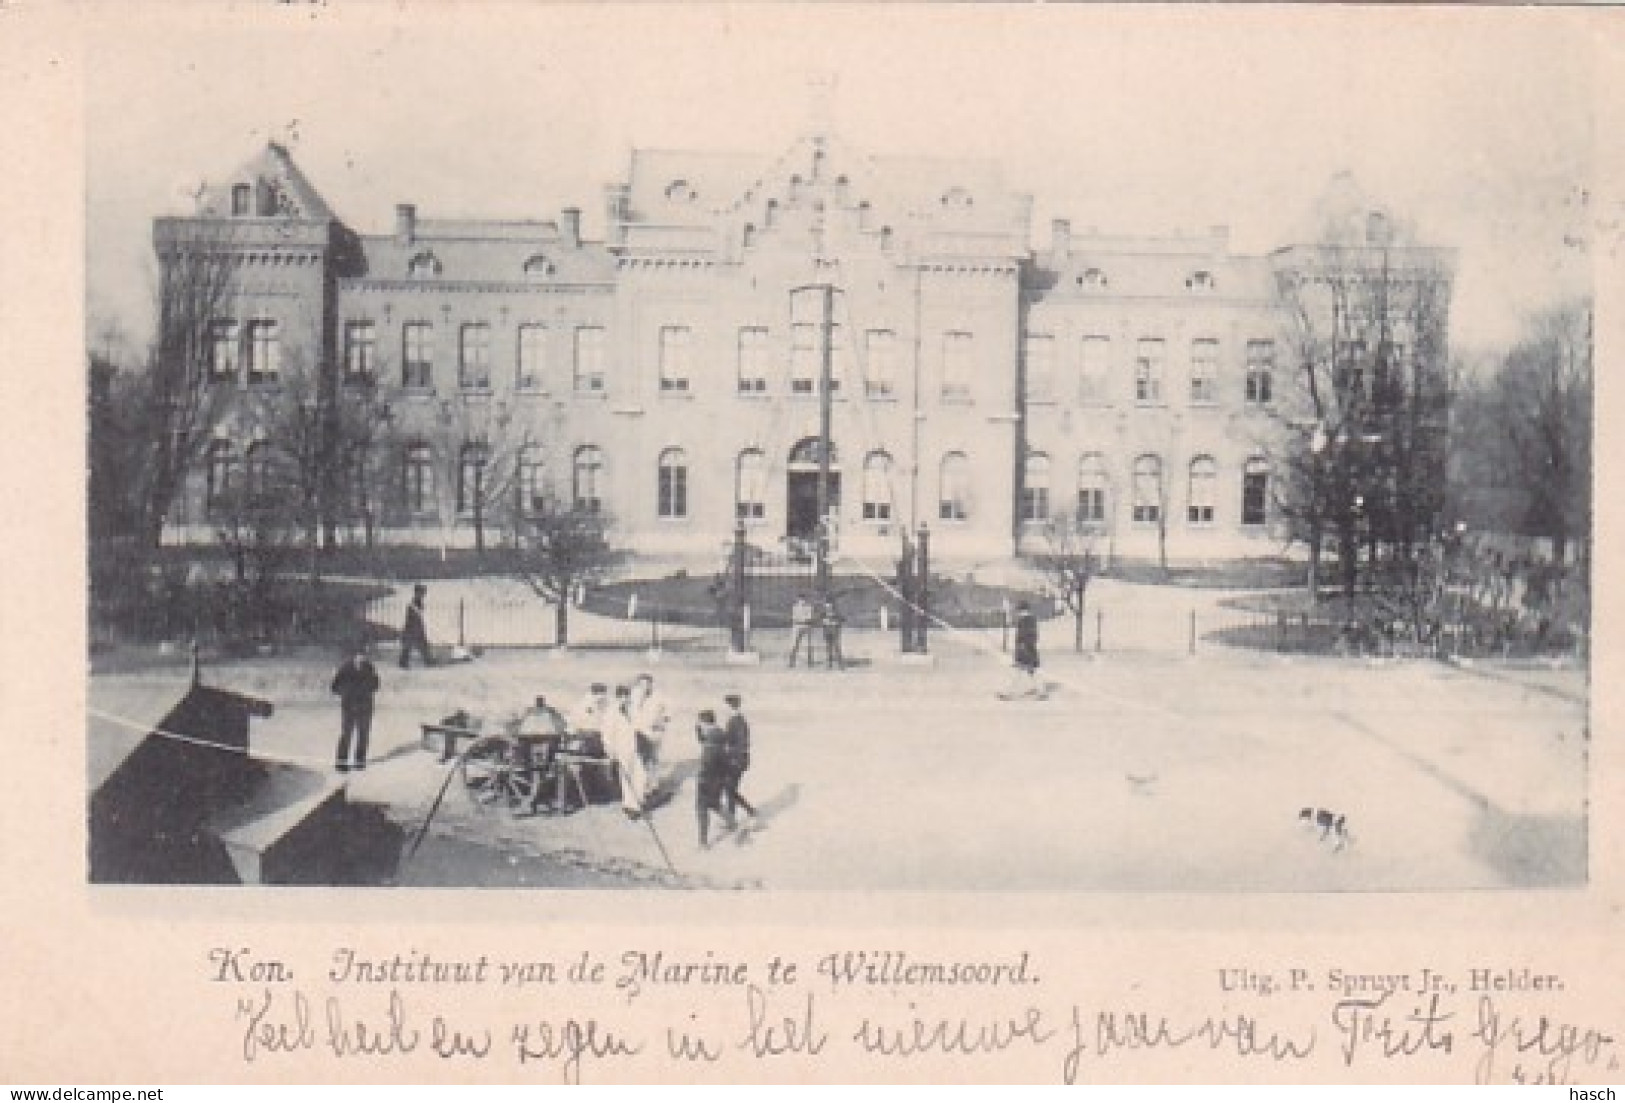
column 1148, row 771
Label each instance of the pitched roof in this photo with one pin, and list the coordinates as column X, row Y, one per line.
column 277, row 186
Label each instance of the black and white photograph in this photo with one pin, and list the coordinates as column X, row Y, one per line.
column 778, row 463
column 713, row 543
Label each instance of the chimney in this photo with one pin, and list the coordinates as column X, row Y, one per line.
column 570, row 226
column 406, row 223
column 1061, row 240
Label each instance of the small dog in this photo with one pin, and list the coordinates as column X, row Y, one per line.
column 1333, row 826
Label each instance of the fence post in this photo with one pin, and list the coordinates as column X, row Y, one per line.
column 923, row 622
column 461, row 639
column 1100, row 630
column 1193, row 631
column 741, row 618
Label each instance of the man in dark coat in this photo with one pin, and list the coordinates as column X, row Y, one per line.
column 415, row 634
column 356, row 683
column 736, row 742
column 1025, row 659
column 713, row 778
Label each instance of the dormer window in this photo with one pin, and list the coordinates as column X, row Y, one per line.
column 539, row 265
column 242, row 199
column 680, row 191
column 1093, row 280
column 1201, row 280
column 957, row 199
column 423, row 265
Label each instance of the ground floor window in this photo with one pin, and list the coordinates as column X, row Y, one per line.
column 1255, row 481
column 1147, row 490
column 1204, row 475
column 953, row 497
column 750, row 485
column 877, row 497
column 588, row 472
column 673, row 484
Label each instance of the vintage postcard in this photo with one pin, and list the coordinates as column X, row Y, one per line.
column 701, row 543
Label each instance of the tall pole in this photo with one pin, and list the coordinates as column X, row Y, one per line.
column 824, row 411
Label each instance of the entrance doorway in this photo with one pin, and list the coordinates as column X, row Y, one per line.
column 801, row 496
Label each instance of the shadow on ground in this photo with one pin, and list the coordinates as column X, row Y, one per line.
column 1531, row 851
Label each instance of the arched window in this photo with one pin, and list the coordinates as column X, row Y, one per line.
column 672, row 495
column 532, row 470
column 1204, row 477
column 877, row 498
column 953, row 495
column 221, row 470
column 588, row 472
column 257, row 471
column 472, row 463
column 1147, row 490
column 1035, row 488
column 423, row 265
column 1093, row 280
column 1092, row 489
column 419, row 479
column 538, row 265
column 750, row 485
column 1255, row 484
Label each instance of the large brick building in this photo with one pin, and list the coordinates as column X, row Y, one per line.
column 669, row 374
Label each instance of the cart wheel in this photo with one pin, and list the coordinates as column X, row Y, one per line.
column 486, row 767
column 523, row 788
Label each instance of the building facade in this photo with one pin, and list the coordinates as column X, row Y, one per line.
column 671, row 374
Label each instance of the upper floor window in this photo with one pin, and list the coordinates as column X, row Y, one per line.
column 957, row 363
column 264, row 351
column 1148, row 370
column 1093, row 280
column 539, row 265
column 1204, row 371
column 1039, row 356
column 474, row 357
column 1204, row 476
column 257, row 472
column 417, row 355
column 587, row 474
column 589, row 360
column 676, row 358
column 223, row 346
column 877, row 496
column 1201, row 280
column 360, row 349
column 953, row 494
column 680, row 191
column 754, row 357
column 1035, row 488
column 242, row 199
column 1260, row 372
column 880, row 363
column 531, row 360
column 672, row 491
column 1094, row 369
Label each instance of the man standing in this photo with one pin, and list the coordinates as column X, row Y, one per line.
column 831, row 618
column 356, row 683
column 1025, row 659
column 801, row 621
column 736, row 753
column 415, row 633
column 650, row 716
column 712, row 783
column 621, row 744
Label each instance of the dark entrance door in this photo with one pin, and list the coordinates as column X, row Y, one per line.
column 801, row 507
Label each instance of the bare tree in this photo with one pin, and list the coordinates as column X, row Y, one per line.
column 1069, row 562
column 1540, row 403
column 1372, row 387
column 177, row 405
column 561, row 552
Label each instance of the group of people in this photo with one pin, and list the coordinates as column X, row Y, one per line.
column 809, row 621
column 627, row 729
